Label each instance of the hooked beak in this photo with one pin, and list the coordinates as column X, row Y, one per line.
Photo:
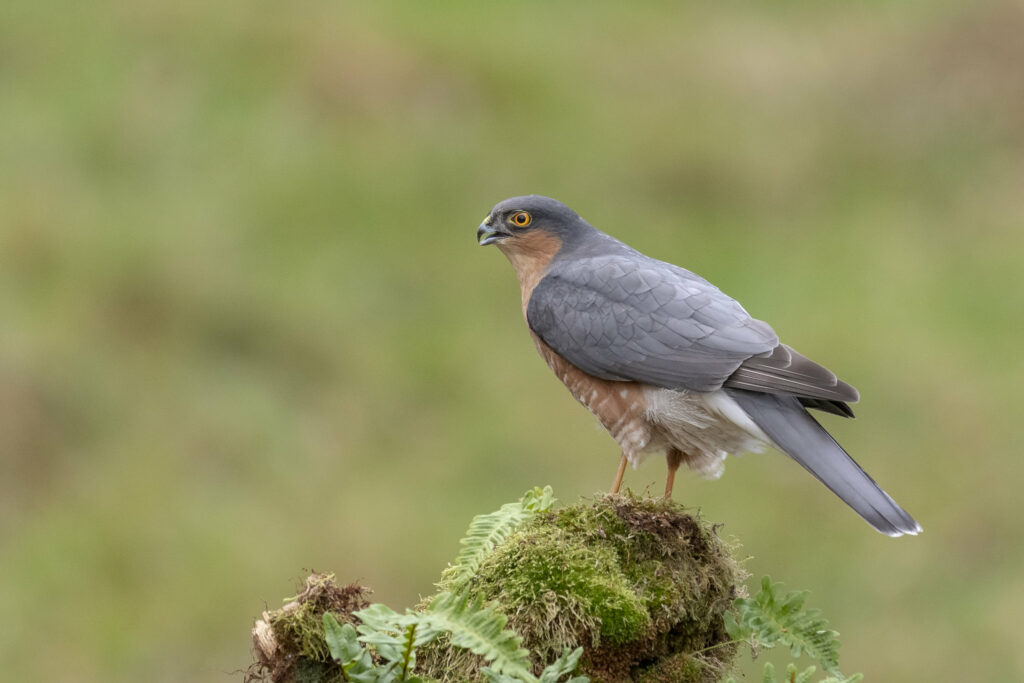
column 488, row 234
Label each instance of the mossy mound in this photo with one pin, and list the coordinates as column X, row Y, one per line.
column 639, row 583
column 290, row 643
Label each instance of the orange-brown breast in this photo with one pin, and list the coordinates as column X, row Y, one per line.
column 620, row 406
column 530, row 255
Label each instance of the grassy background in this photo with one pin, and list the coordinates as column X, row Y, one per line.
column 245, row 328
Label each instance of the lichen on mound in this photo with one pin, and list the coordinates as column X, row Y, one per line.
column 639, row 583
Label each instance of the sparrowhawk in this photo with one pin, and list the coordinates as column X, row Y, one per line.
column 667, row 362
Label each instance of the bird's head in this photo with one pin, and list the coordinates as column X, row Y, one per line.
column 522, row 225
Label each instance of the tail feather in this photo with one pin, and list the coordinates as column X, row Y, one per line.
column 799, row 436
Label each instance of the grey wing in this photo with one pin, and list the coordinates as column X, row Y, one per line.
column 784, row 371
column 626, row 317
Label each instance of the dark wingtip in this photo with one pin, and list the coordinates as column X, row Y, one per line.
column 834, row 407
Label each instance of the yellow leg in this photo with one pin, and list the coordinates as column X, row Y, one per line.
column 618, row 475
column 673, row 457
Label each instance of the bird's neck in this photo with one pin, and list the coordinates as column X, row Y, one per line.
column 530, row 256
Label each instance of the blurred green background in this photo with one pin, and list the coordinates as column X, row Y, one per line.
column 245, row 329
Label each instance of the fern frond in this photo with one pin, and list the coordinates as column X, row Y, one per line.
column 487, row 531
column 793, row 675
column 562, row 666
column 767, row 620
column 480, row 630
column 470, row 624
column 355, row 662
column 341, row 642
column 799, row 676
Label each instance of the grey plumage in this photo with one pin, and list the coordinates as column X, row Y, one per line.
column 788, row 372
column 619, row 315
column 624, row 316
column 800, row 437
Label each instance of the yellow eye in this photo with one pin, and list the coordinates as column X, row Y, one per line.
column 520, row 219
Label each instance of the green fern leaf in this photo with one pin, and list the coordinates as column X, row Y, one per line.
column 767, row 620
column 792, row 674
column 538, row 499
column 562, row 666
column 480, row 630
column 355, row 662
column 472, row 626
column 799, row 676
column 341, row 640
column 487, row 531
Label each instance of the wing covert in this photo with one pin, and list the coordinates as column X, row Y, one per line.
column 627, row 317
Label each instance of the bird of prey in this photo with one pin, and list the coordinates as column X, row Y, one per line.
column 667, row 362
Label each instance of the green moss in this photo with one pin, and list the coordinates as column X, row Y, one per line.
column 564, row 587
column 298, row 651
column 639, row 583
column 298, row 626
column 308, row 671
column 681, row 668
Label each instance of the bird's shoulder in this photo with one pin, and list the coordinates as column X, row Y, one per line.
column 631, row 285
column 619, row 314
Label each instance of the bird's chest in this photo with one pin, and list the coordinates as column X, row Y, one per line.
column 620, row 406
